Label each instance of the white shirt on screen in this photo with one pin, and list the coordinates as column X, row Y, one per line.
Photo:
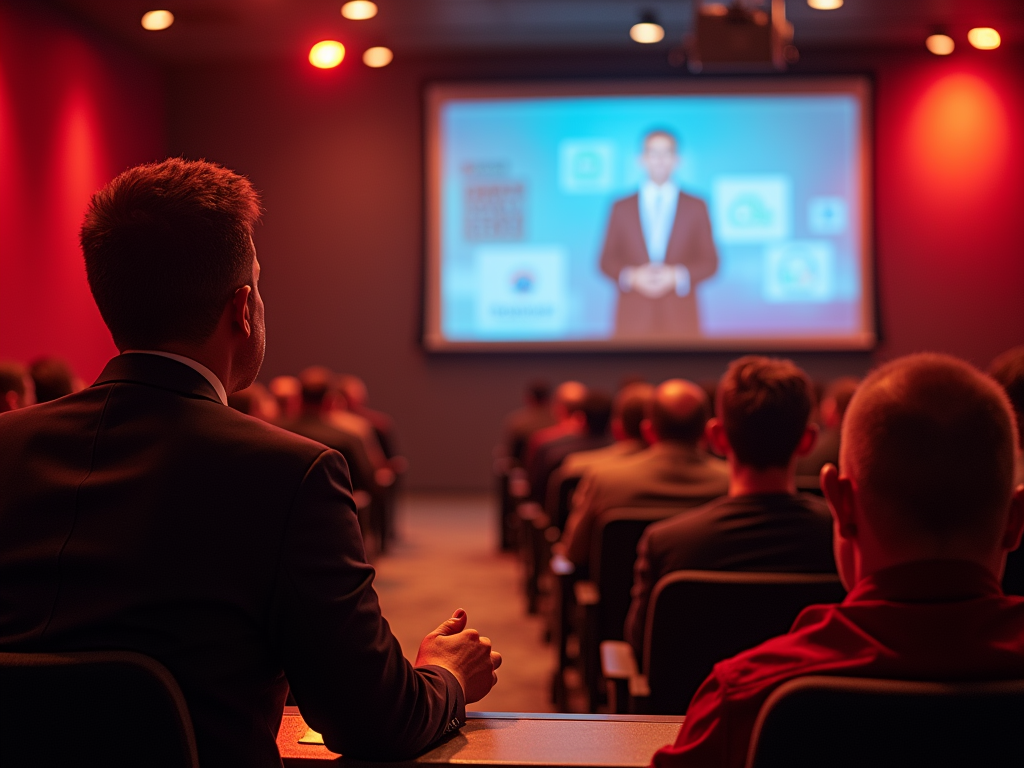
column 658, row 204
column 199, row 368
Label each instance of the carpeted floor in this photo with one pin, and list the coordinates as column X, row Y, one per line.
column 447, row 558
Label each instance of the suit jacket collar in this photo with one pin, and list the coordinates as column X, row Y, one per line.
column 156, row 371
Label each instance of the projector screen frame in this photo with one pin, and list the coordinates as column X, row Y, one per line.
column 436, row 93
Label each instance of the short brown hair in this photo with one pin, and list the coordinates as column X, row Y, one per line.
column 12, row 378
column 765, row 405
column 931, row 440
column 1008, row 370
column 166, row 245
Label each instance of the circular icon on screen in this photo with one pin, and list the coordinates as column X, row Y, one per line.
column 523, row 281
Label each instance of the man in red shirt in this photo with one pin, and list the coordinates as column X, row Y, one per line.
column 924, row 513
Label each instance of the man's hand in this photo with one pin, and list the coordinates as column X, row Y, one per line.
column 463, row 653
column 652, row 280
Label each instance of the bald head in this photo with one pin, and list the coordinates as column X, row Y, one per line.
column 929, row 442
column 679, row 411
column 569, row 397
column 631, row 405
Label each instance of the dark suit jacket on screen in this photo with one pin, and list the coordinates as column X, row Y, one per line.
column 689, row 245
column 142, row 514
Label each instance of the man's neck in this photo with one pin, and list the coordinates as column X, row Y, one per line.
column 745, row 480
column 212, row 356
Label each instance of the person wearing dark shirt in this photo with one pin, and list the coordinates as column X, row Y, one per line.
column 764, row 408
column 1008, row 371
column 53, row 378
column 567, row 403
column 535, row 414
column 834, row 403
column 924, row 512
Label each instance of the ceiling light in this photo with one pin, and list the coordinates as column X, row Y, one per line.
column 326, row 54
column 157, row 20
column 939, row 44
column 648, row 30
column 825, row 5
column 377, row 57
column 357, row 10
column 984, row 38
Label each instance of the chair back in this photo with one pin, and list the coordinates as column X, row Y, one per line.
column 845, row 722
column 698, row 618
column 566, row 489
column 93, row 708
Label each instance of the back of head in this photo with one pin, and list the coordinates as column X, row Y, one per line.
column 569, row 397
column 53, row 378
column 316, row 383
column 12, row 382
column 597, row 408
column 838, row 395
column 929, row 441
column 354, row 390
column 765, row 405
column 1008, row 370
column 287, row 390
column 166, row 245
column 631, row 406
column 679, row 411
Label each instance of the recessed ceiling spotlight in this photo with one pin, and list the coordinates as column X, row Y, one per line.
column 154, row 21
column 358, row 10
column 940, row 44
column 984, row 38
column 327, row 54
column 648, row 30
column 825, row 5
column 377, row 57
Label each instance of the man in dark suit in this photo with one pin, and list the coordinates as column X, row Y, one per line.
column 658, row 248
column 143, row 514
column 764, row 408
column 534, row 415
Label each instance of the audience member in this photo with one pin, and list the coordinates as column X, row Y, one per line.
column 338, row 414
column 567, row 403
column 1008, row 371
column 287, row 391
column 255, row 401
column 924, row 514
column 764, row 408
column 357, row 397
column 535, row 414
column 594, row 415
column 53, row 378
column 674, row 469
column 16, row 387
column 834, row 401
column 142, row 514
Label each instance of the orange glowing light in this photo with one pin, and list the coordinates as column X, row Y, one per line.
column 647, row 32
column 378, row 56
column 326, row 54
column 358, row 10
column 940, row 45
column 984, row 38
column 154, row 21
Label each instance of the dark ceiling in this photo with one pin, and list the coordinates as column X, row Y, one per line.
column 252, row 29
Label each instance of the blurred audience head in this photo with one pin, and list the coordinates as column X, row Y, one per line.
column 316, row 382
column 764, row 410
column 256, row 401
column 835, row 400
column 16, row 387
column 568, row 399
column 630, row 409
column 597, row 411
column 354, row 390
column 167, row 247
column 53, row 378
column 1008, row 371
column 287, row 391
column 927, row 463
column 678, row 413
column 538, row 393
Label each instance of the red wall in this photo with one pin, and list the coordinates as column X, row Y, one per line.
column 74, row 112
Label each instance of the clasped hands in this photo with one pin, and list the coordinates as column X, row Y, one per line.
column 463, row 653
column 656, row 280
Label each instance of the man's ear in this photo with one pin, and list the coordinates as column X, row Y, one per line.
column 240, row 310
column 807, row 441
column 9, row 402
column 647, row 432
column 1015, row 520
column 718, row 441
column 839, row 495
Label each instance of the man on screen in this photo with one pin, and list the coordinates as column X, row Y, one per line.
column 658, row 249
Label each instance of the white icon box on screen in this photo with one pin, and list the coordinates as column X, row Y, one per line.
column 827, row 215
column 521, row 290
column 751, row 209
column 586, row 166
column 800, row 271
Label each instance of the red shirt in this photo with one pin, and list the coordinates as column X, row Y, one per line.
column 935, row 620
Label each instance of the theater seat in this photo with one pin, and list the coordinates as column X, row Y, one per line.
column 844, row 722
column 116, row 709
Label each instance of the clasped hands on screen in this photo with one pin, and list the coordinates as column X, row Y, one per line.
column 656, row 280
column 463, row 653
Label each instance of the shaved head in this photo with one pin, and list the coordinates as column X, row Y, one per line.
column 569, row 396
column 929, row 441
column 679, row 411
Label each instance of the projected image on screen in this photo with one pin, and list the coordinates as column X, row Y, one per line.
column 706, row 219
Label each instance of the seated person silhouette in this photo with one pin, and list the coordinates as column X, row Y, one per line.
column 924, row 512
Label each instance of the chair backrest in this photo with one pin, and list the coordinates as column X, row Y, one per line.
column 698, row 618
column 93, row 708
column 845, row 721
column 612, row 555
column 566, row 489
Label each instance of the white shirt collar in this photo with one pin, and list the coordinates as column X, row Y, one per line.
column 199, row 368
